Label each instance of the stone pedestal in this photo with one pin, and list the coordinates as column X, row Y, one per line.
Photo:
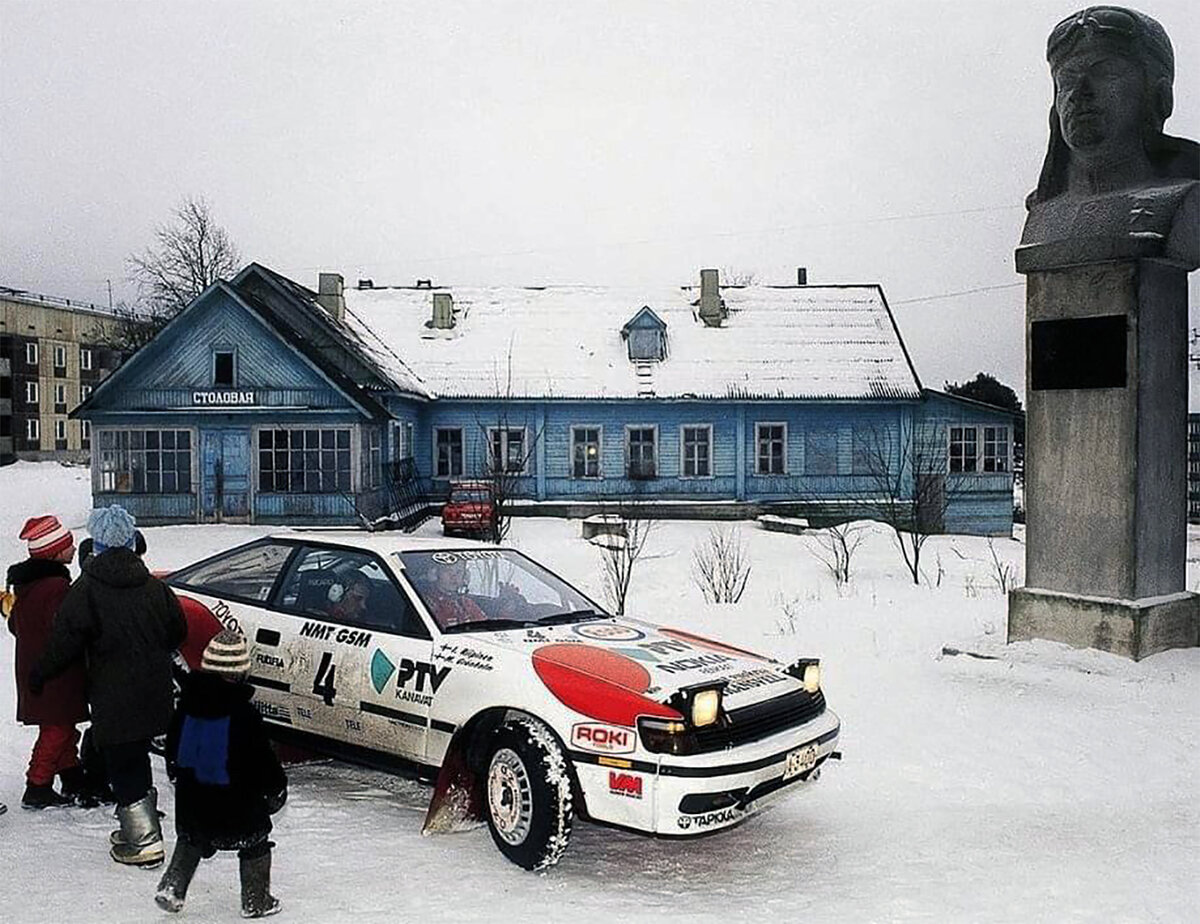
column 1105, row 452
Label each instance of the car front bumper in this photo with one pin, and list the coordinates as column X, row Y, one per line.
column 689, row 796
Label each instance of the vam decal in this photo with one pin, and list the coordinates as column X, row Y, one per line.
column 628, row 785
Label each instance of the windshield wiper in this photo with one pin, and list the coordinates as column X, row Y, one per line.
column 492, row 625
column 573, row 616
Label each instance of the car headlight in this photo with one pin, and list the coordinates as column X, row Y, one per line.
column 666, row 736
column 808, row 672
column 706, row 706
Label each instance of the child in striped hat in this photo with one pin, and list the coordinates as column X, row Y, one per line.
column 228, row 781
column 39, row 585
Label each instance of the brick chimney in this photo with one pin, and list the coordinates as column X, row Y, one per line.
column 802, row 275
column 443, row 311
column 712, row 308
column 329, row 295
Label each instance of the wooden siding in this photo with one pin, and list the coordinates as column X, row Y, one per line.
column 149, row 509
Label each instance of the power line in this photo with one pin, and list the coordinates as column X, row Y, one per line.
column 934, row 298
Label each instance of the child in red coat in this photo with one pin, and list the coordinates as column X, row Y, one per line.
column 39, row 585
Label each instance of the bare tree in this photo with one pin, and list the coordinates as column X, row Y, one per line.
column 721, row 566
column 910, row 488
column 731, row 276
column 189, row 253
column 836, row 546
column 619, row 555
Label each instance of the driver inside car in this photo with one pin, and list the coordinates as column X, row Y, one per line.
column 348, row 599
column 446, row 595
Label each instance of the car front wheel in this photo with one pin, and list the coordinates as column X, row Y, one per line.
column 528, row 794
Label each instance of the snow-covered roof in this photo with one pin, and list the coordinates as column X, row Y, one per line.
column 806, row 342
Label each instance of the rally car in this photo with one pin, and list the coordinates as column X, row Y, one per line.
column 528, row 704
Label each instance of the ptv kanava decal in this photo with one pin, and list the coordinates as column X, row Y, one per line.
column 382, row 669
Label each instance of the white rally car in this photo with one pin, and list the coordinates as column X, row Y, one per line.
column 525, row 700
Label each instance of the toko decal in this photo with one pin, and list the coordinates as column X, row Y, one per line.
column 382, row 669
column 609, row 632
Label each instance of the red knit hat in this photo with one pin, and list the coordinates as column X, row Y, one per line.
column 46, row 536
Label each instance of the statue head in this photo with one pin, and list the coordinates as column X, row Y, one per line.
column 1113, row 72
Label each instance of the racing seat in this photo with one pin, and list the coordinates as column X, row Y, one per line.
column 312, row 595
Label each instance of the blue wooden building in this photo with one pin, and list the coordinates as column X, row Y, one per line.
column 267, row 402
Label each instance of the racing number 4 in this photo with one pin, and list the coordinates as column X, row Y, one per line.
column 323, row 683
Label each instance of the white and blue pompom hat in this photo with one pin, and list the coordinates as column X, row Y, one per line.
column 111, row 528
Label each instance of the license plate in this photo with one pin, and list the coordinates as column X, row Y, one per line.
column 800, row 760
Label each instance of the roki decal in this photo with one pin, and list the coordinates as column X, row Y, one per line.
column 625, row 784
column 607, row 739
column 609, row 632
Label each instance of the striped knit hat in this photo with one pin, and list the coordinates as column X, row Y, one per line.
column 227, row 655
column 46, row 536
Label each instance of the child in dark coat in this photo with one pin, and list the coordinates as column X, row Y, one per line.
column 228, row 781
column 40, row 584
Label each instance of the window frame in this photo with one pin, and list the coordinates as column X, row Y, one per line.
column 60, row 351
column 1001, row 430
column 85, row 359
column 644, row 427
column 505, row 434
column 462, row 453
column 32, row 357
column 60, row 388
column 599, row 429
column 60, row 427
column 33, row 431
column 101, row 485
column 963, row 442
column 683, row 455
column 811, row 435
column 758, row 456
column 32, row 392
column 304, row 450
column 85, row 433
column 232, row 353
column 85, row 391
column 265, row 604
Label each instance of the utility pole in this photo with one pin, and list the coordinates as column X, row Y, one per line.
column 109, row 281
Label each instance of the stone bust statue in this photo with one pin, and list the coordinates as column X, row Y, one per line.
column 1113, row 185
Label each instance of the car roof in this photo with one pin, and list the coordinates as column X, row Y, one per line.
column 381, row 542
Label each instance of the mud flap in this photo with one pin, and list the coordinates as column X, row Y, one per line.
column 456, row 804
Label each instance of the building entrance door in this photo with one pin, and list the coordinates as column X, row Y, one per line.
column 225, row 494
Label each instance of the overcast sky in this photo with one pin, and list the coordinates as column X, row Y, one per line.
column 536, row 143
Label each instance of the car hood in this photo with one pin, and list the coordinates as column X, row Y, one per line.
column 646, row 659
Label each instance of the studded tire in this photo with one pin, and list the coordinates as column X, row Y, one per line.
column 527, row 794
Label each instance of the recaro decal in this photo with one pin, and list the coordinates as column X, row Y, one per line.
column 604, row 739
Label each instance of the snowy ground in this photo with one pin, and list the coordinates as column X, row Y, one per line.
column 1043, row 785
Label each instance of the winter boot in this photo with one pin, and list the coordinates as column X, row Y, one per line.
column 42, row 796
column 141, row 842
column 172, row 888
column 257, row 900
column 75, row 787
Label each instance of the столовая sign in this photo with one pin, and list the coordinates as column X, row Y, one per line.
column 222, row 398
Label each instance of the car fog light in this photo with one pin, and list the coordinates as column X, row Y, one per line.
column 812, row 678
column 705, row 706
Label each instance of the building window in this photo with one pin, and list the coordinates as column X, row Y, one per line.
column 31, row 354
column 964, row 449
column 697, row 451
column 33, row 430
column 373, row 456
column 585, row 452
column 31, row 392
column 60, row 429
column 869, row 453
column 60, row 399
column 85, row 433
column 506, row 450
column 448, row 452
column 820, row 452
column 772, row 448
column 60, row 358
column 640, row 451
column 223, row 375
column 995, row 449
column 85, row 359
column 146, row 461
column 304, row 461
column 85, row 392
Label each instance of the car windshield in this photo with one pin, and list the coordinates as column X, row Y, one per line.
column 485, row 590
column 464, row 496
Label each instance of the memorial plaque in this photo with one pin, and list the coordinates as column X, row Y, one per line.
column 1079, row 353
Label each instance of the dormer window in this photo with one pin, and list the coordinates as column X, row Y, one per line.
column 645, row 336
column 223, row 369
